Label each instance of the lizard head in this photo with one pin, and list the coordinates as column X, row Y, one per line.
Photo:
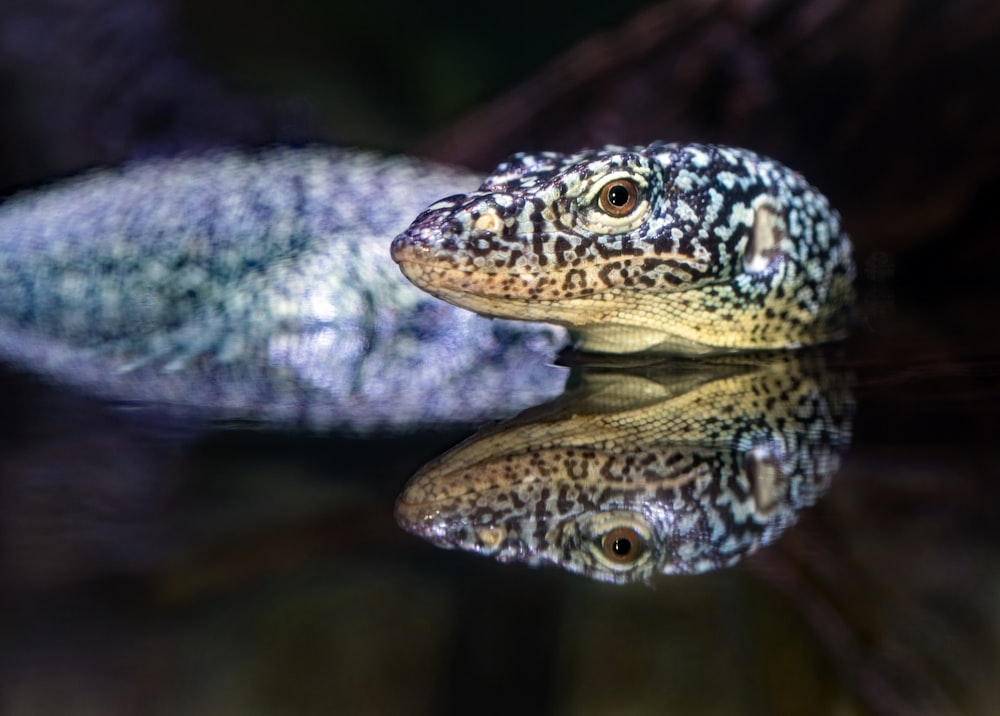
column 682, row 248
column 631, row 474
column 672, row 467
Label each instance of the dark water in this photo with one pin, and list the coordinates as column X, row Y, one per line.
column 148, row 567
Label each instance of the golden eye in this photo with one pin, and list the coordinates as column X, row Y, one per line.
column 622, row 544
column 618, row 197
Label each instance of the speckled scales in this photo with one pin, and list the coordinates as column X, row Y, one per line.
column 254, row 285
column 704, row 464
column 724, row 250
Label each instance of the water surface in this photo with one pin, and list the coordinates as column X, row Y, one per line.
column 151, row 566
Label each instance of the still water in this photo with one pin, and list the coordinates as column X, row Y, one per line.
column 809, row 535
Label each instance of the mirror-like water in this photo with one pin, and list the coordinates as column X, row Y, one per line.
column 151, row 567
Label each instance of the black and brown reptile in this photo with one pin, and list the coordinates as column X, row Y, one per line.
column 678, row 248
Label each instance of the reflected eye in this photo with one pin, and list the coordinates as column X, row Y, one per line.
column 618, row 197
column 622, row 545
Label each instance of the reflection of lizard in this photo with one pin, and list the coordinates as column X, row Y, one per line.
column 674, row 248
column 677, row 467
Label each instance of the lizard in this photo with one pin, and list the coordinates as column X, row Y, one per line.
column 668, row 248
column 255, row 285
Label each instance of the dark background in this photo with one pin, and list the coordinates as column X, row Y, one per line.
column 889, row 108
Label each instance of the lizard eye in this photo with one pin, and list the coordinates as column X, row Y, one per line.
column 622, row 545
column 618, row 197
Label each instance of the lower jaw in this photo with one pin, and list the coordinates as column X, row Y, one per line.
column 595, row 319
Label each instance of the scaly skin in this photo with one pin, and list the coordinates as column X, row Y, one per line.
column 255, row 286
column 688, row 249
column 673, row 468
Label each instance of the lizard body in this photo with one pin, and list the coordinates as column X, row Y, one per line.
column 254, row 286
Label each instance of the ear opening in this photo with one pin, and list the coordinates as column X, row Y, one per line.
column 768, row 231
column 768, row 482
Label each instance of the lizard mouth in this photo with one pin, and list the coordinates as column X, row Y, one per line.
column 405, row 250
column 425, row 254
column 475, row 293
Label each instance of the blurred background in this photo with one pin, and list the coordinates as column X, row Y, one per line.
column 889, row 109
column 146, row 569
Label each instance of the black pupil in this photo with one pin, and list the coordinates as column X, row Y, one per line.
column 618, row 195
column 621, row 546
